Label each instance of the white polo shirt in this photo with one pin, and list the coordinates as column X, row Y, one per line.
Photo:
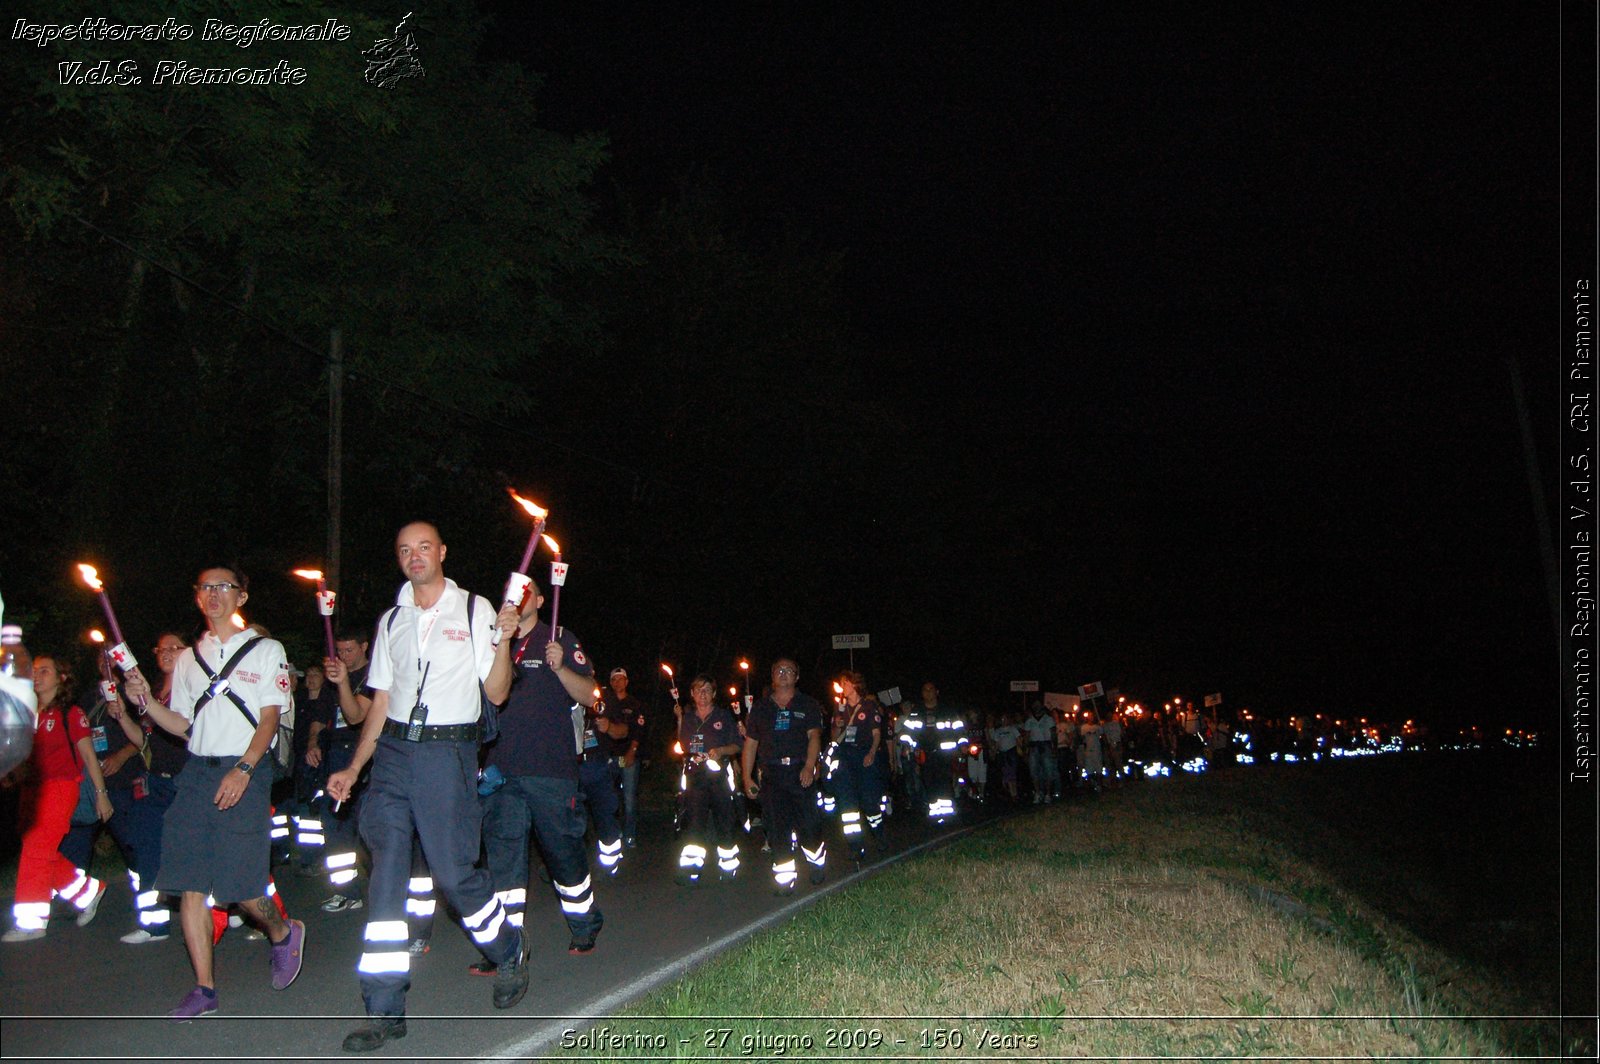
column 438, row 640
column 1039, row 729
column 261, row 679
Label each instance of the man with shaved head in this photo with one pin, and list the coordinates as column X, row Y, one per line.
column 431, row 653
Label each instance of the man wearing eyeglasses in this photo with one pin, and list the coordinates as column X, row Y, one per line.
column 432, row 652
column 784, row 732
column 227, row 693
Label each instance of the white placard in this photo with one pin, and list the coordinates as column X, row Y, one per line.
column 859, row 641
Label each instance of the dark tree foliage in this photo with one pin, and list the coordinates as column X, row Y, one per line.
column 685, row 397
column 176, row 257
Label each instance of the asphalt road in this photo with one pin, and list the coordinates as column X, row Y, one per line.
column 80, row 994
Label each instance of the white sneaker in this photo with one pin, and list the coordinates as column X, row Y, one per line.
column 139, row 936
column 17, row 934
column 90, row 911
column 340, row 903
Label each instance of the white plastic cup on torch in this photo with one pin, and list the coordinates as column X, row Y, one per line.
column 516, row 586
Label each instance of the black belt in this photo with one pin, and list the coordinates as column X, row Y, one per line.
column 217, row 762
column 434, row 733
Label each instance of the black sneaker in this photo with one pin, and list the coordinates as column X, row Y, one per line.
column 511, row 980
column 379, row 1030
column 482, row 967
column 582, row 944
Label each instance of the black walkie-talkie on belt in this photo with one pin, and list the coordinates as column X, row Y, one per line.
column 419, row 713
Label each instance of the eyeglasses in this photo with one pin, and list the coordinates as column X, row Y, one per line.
column 169, row 650
column 221, row 589
column 784, row 670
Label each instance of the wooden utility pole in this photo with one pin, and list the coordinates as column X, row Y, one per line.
column 335, row 453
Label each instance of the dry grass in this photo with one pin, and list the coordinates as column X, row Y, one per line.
column 1146, row 924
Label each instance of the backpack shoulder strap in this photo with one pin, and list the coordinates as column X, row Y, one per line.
column 222, row 675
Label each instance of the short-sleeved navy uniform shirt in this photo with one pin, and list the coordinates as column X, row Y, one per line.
column 536, row 721
column 853, row 727
column 781, row 731
column 630, row 711
column 310, row 709
column 109, row 738
column 343, row 730
column 702, row 736
column 598, row 745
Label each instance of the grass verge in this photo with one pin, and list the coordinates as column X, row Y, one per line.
column 1216, row 917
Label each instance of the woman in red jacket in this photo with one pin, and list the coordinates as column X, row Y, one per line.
column 63, row 751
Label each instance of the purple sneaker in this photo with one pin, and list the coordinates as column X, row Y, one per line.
column 288, row 955
column 198, row 1002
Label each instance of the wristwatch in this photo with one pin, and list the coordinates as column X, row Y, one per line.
column 245, row 767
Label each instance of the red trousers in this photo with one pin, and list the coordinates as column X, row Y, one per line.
column 46, row 814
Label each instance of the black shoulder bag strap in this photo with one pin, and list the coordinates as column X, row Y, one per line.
column 489, row 714
column 219, row 679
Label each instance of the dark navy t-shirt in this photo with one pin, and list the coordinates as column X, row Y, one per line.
column 853, row 727
column 781, row 732
column 703, row 736
column 536, row 721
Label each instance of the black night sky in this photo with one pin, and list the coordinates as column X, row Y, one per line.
column 1179, row 356
column 1196, row 321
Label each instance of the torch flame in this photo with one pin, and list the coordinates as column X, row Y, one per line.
column 96, row 636
column 238, row 620
column 744, row 666
column 90, row 577
column 533, row 508
column 666, row 668
column 837, row 689
column 308, row 574
column 555, row 548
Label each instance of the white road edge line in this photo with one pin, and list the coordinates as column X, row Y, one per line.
column 549, row 1034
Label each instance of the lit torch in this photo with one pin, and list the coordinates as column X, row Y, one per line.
column 558, row 576
column 108, row 686
column 672, row 681
column 517, row 583
column 119, row 653
column 325, row 600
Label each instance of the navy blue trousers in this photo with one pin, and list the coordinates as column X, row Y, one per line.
column 429, row 789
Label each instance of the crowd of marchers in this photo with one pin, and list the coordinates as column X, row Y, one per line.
column 424, row 756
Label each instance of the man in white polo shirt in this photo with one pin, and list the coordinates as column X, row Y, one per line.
column 431, row 653
column 227, row 692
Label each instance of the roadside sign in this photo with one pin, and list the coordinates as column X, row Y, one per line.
column 1065, row 703
column 1214, row 700
column 1091, row 690
column 1024, row 685
column 851, row 642
column 891, row 697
